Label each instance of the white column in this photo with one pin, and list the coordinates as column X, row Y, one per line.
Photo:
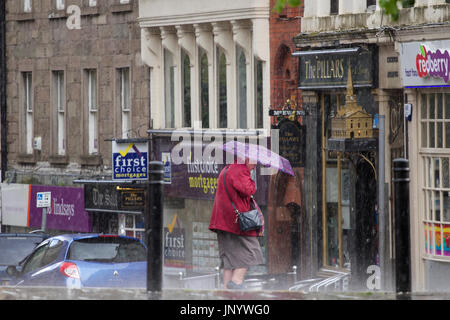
column 204, row 38
column 310, row 8
column 151, row 52
column 359, row 6
column 186, row 40
column 170, row 42
column 323, row 8
column 421, row 3
column 436, row 2
column 261, row 49
column 223, row 37
column 242, row 35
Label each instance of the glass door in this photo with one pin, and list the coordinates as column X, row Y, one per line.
column 335, row 191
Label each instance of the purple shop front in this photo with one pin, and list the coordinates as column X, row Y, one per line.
column 66, row 211
column 198, row 179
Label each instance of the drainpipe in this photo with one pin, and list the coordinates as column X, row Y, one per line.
column 381, row 203
column 3, row 124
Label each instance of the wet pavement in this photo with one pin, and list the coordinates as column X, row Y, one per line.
column 52, row 293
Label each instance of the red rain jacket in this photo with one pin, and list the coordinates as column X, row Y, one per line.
column 240, row 187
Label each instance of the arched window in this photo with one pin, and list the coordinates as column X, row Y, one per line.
column 222, row 88
column 259, row 108
column 204, row 89
column 186, row 88
column 334, row 7
column 169, row 89
column 241, row 88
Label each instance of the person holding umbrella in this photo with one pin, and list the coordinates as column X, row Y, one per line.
column 238, row 250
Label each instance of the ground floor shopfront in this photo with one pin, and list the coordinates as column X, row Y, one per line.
column 425, row 79
column 341, row 167
column 21, row 210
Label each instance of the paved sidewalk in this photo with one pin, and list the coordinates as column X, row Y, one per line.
column 34, row 293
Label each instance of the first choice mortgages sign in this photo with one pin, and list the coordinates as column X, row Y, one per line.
column 130, row 160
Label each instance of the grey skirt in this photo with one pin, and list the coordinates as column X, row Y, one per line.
column 237, row 251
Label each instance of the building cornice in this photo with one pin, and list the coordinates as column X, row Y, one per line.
column 383, row 34
column 205, row 17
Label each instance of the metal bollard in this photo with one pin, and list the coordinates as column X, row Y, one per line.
column 402, row 230
column 217, row 269
column 294, row 272
column 154, row 228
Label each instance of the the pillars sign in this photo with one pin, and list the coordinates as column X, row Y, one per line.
column 328, row 69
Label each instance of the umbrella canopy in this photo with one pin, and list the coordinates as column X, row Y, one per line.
column 258, row 154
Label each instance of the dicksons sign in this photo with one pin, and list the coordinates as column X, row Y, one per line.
column 425, row 64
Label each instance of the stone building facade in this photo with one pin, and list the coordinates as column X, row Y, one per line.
column 72, row 87
column 75, row 83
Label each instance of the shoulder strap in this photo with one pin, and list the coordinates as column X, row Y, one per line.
column 225, row 184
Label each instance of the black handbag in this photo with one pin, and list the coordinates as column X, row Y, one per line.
column 249, row 220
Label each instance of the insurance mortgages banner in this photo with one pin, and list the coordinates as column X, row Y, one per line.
column 425, row 64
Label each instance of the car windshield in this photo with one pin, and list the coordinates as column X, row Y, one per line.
column 14, row 249
column 107, row 249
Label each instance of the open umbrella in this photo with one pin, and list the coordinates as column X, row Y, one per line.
column 258, row 154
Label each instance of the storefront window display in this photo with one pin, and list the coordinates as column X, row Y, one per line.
column 435, row 141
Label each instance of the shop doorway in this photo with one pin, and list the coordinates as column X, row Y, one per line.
column 335, row 191
column 348, row 203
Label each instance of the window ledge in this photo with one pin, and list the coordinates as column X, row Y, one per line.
column 90, row 11
column 119, row 8
column 57, row 14
column 58, row 159
column 91, row 160
column 26, row 158
column 24, row 16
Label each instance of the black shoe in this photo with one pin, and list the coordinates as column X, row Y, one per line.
column 234, row 286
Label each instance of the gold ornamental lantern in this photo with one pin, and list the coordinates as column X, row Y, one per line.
column 351, row 121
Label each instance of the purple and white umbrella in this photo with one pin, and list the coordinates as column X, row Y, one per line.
column 258, row 154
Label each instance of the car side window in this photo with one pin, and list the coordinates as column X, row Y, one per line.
column 53, row 251
column 34, row 262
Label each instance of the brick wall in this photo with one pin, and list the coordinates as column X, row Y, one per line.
column 283, row 27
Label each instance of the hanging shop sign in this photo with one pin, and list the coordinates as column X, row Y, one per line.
column 167, row 178
column 129, row 160
column 327, row 69
column 292, row 142
column 132, row 198
column 425, row 64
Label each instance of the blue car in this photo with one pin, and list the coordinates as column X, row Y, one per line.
column 85, row 260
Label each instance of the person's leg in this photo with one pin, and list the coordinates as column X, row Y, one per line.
column 238, row 275
column 227, row 276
